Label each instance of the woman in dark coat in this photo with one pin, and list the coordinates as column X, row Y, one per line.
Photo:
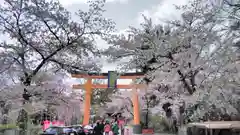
column 97, row 129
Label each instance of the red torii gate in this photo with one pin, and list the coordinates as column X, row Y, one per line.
column 88, row 86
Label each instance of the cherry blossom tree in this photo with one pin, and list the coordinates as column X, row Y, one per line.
column 191, row 58
column 41, row 36
column 52, row 93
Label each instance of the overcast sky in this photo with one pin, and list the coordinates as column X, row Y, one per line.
column 129, row 13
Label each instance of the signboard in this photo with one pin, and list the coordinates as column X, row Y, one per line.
column 112, row 79
column 57, row 123
column 147, row 131
column 47, row 124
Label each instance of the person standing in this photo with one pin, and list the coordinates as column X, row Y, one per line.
column 121, row 123
column 107, row 128
column 97, row 129
column 115, row 128
column 102, row 125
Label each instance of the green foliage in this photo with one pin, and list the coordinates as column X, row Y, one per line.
column 160, row 124
column 35, row 129
column 4, row 127
column 8, row 126
column 22, row 119
column 156, row 123
column 165, row 127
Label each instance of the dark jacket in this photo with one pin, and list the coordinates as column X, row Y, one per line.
column 102, row 127
column 97, row 129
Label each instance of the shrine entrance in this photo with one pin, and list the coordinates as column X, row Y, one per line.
column 112, row 83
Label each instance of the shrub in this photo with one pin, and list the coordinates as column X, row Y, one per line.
column 8, row 126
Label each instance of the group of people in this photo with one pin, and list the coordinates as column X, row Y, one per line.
column 106, row 128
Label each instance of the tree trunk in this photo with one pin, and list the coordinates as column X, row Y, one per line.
column 147, row 117
column 4, row 110
column 22, row 120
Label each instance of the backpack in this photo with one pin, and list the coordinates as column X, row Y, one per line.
column 107, row 128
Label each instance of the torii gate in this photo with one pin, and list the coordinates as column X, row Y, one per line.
column 89, row 86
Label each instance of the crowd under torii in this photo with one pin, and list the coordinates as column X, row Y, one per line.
column 112, row 83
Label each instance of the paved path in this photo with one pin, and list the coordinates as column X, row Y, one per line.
column 160, row 134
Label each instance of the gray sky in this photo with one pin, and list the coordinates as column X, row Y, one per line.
column 129, row 13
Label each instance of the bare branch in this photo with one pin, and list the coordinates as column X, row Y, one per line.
column 230, row 4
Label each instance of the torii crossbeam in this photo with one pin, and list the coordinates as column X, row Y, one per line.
column 88, row 86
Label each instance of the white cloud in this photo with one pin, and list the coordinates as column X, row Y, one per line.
column 164, row 11
column 120, row 1
column 71, row 2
